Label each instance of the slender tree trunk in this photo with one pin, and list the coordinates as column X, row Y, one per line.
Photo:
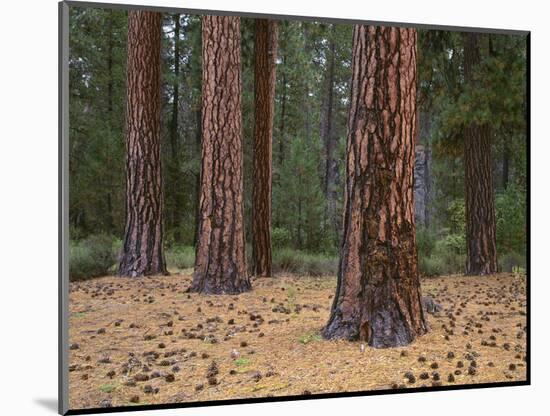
column 480, row 206
column 330, row 139
column 265, row 56
column 505, row 164
column 220, row 264
column 378, row 292
column 110, row 88
column 174, row 171
column 143, row 252
column 283, row 115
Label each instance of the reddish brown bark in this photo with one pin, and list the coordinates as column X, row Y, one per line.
column 378, row 293
column 480, row 205
column 143, row 252
column 220, row 263
column 265, row 56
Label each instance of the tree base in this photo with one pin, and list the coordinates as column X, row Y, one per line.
column 208, row 285
column 384, row 324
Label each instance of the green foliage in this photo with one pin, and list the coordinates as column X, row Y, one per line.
column 510, row 206
column 242, row 362
column 440, row 254
column 297, row 200
column 507, row 262
column 91, row 257
column 280, row 237
column 519, row 272
column 307, row 338
column 180, row 257
column 425, row 241
column 107, row 388
column 288, row 260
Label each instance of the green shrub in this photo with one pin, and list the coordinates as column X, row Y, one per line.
column 457, row 216
column 91, row 257
column 280, row 237
column 301, row 263
column 180, row 257
column 507, row 261
column 510, row 207
column 448, row 256
column 425, row 241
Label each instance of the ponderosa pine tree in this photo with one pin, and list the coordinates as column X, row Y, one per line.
column 142, row 253
column 480, row 204
column 220, row 262
column 265, row 56
column 378, row 297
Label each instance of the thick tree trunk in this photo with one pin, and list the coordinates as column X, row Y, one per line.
column 378, row 293
column 143, row 252
column 265, row 55
column 480, row 206
column 220, row 264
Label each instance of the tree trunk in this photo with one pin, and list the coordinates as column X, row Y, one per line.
column 505, row 164
column 143, row 252
column 174, row 171
column 330, row 140
column 480, row 206
column 378, row 297
column 283, row 115
column 265, row 56
column 220, row 263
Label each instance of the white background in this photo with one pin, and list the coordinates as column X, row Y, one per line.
column 28, row 205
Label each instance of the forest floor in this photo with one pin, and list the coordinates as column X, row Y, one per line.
column 146, row 341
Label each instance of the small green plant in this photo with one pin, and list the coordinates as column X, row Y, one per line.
column 313, row 337
column 291, row 295
column 107, row 388
column 241, row 362
column 519, row 272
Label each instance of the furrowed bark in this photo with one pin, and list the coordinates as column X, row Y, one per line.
column 378, row 293
column 481, row 251
column 220, row 263
column 265, row 55
column 143, row 251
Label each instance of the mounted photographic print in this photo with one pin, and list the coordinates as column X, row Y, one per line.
column 264, row 208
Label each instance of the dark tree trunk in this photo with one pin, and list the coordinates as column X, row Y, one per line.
column 143, row 252
column 378, row 297
column 480, row 206
column 265, row 55
column 174, row 171
column 329, row 137
column 110, row 87
column 505, row 164
column 283, row 114
column 220, row 263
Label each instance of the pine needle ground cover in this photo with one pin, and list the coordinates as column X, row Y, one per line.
column 147, row 341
